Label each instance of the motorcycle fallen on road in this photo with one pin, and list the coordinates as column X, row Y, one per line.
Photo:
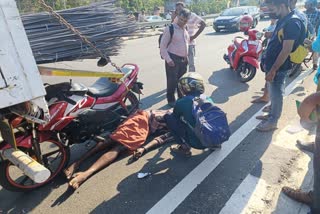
column 78, row 113
column 243, row 55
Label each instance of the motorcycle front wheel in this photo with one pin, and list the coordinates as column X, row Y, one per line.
column 132, row 103
column 55, row 157
column 247, row 72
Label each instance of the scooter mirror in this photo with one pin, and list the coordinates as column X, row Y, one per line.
column 102, row 62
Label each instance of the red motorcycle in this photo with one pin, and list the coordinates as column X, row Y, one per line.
column 78, row 113
column 243, row 55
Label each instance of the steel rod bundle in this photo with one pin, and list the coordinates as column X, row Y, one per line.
column 102, row 23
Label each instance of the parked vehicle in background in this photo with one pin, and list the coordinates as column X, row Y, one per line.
column 155, row 19
column 264, row 10
column 230, row 18
column 244, row 53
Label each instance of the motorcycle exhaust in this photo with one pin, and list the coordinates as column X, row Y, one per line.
column 34, row 170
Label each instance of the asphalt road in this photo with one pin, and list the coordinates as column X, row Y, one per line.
column 116, row 189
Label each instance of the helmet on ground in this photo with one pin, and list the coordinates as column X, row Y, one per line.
column 246, row 23
column 191, row 82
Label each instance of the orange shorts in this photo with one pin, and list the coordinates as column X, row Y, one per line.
column 133, row 132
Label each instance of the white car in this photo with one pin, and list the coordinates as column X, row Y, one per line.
column 155, row 19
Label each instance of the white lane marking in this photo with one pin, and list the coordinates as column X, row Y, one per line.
column 253, row 193
column 242, row 195
column 177, row 195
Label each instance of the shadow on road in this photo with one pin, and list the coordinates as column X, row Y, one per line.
column 15, row 202
column 139, row 195
column 149, row 101
column 227, row 83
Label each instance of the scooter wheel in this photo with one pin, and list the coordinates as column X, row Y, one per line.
column 247, row 72
column 55, row 158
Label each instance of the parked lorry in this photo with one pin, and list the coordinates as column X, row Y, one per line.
column 21, row 88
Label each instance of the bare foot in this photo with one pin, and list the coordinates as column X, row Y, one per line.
column 71, row 170
column 78, row 179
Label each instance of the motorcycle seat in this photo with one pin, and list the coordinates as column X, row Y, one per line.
column 78, row 87
column 103, row 87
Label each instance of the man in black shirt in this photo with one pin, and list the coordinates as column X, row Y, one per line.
column 284, row 40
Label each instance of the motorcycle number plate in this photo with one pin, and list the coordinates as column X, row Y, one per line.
column 221, row 26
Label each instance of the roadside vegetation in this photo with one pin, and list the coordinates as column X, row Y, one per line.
column 197, row 6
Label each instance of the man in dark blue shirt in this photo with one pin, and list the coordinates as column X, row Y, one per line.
column 284, row 40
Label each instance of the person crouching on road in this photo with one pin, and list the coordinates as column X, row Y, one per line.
column 175, row 53
column 180, row 123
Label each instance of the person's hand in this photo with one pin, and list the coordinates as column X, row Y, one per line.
column 171, row 64
column 270, row 76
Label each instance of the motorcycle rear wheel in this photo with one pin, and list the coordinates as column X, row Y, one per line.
column 247, row 72
column 55, row 158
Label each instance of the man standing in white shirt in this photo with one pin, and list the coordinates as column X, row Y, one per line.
column 174, row 50
column 195, row 26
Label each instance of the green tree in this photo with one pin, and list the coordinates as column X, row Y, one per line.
column 31, row 6
column 138, row 5
column 208, row 6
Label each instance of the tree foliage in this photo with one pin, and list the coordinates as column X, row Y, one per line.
column 208, row 6
column 31, row 6
column 138, row 5
column 198, row 6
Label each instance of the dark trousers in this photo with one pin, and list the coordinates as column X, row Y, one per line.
column 174, row 74
column 182, row 133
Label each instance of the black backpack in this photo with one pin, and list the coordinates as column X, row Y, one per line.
column 171, row 34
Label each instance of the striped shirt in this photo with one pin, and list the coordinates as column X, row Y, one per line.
column 313, row 18
column 192, row 25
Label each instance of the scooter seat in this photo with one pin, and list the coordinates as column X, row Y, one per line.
column 103, row 87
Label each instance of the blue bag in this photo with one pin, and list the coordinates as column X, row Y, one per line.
column 211, row 123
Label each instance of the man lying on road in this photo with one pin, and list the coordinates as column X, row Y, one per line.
column 129, row 136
